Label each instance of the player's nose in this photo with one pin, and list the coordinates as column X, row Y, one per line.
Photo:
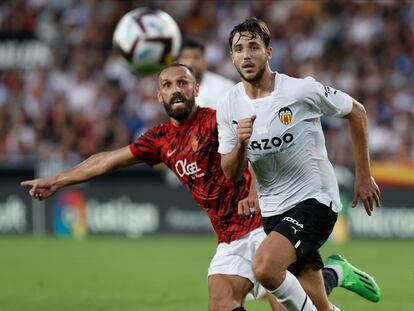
column 177, row 89
column 246, row 54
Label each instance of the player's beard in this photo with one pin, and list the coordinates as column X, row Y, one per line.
column 257, row 77
column 180, row 114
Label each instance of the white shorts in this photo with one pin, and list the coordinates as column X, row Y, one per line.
column 236, row 257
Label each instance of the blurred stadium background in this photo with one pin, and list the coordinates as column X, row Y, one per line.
column 65, row 96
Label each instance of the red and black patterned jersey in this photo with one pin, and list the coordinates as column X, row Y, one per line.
column 190, row 151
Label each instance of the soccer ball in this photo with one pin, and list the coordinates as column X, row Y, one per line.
column 147, row 40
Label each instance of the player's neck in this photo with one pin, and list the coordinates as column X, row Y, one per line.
column 190, row 117
column 261, row 88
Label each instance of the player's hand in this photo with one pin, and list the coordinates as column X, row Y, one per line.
column 245, row 130
column 368, row 192
column 42, row 188
column 248, row 205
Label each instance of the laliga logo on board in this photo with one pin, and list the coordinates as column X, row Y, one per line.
column 69, row 215
column 285, row 115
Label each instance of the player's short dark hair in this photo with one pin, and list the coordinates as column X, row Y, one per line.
column 178, row 65
column 255, row 27
column 191, row 43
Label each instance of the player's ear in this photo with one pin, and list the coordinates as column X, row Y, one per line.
column 159, row 97
column 196, row 89
column 269, row 52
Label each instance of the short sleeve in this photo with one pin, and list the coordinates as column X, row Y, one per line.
column 226, row 130
column 145, row 148
column 327, row 100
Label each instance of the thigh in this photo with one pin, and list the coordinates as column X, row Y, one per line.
column 236, row 258
column 228, row 291
column 275, row 252
column 307, row 226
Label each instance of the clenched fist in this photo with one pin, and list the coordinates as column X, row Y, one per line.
column 245, row 130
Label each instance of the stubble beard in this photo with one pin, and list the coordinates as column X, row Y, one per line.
column 180, row 114
column 256, row 78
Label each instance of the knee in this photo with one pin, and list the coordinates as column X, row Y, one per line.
column 267, row 273
column 219, row 303
column 262, row 273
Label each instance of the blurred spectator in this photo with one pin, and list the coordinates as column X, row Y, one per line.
column 212, row 85
column 83, row 100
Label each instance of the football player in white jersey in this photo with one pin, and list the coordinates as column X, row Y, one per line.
column 212, row 85
column 273, row 121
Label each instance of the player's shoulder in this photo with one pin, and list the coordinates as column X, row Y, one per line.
column 297, row 86
column 207, row 119
column 231, row 96
column 160, row 130
column 206, row 112
column 289, row 80
column 233, row 93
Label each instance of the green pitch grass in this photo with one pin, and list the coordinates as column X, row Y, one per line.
column 164, row 273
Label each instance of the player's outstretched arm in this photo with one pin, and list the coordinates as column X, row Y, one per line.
column 234, row 162
column 365, row 187
column 92, row 167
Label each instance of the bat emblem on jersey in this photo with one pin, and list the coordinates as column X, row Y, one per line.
column 194, row 143
column 285, row 115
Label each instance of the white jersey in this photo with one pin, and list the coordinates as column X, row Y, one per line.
column 212, row 87
column 287, row 149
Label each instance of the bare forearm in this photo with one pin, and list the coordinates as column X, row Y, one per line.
column 359, row 133
column 95, row 165
column 234, row 163
column 252, row 190
column 366, row 188
column 86, row 170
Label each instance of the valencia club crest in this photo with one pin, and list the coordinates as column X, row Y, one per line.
column 285, row 115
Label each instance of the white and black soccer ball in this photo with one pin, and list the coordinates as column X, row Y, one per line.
column 147, row 40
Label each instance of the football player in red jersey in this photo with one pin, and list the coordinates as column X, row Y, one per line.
column 188, row 145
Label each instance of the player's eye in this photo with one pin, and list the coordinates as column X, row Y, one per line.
column 237, row 49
